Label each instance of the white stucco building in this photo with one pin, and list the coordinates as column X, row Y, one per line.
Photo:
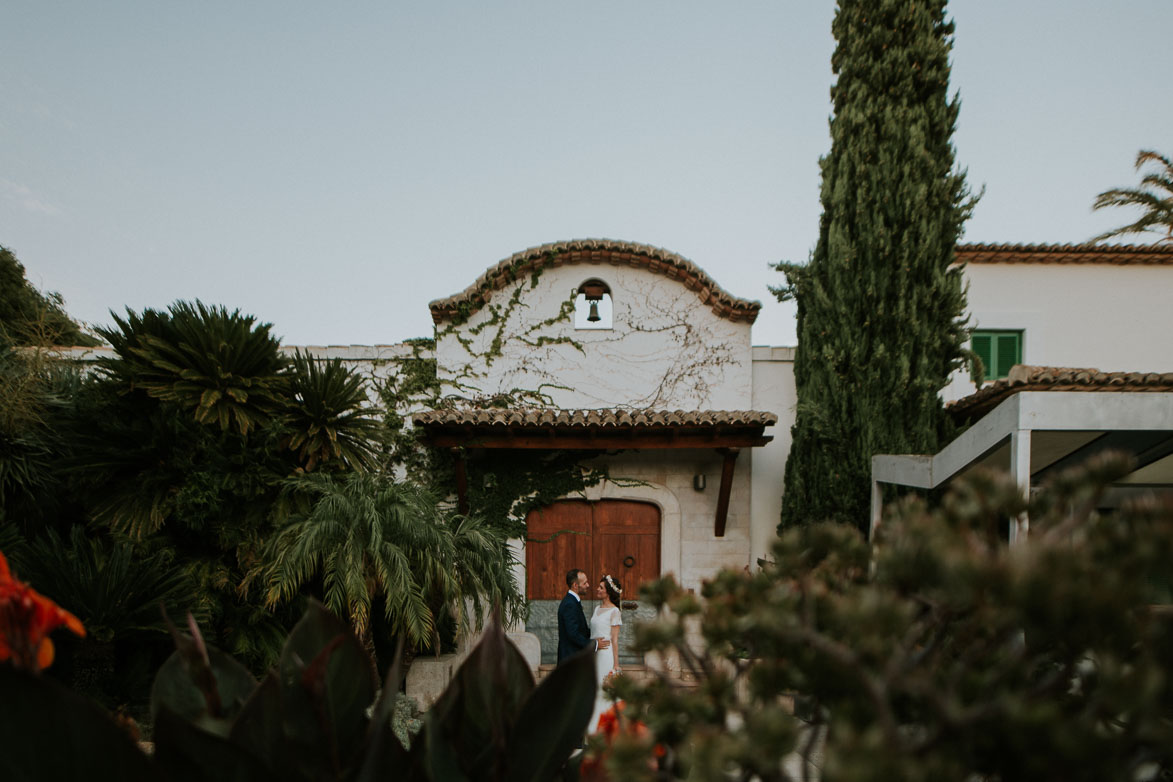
column 635, row 357
column 1078, row 341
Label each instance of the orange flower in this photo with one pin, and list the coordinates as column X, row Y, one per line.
column 611, row 724
column 26, row 619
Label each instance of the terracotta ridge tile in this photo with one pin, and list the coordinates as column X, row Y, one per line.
column 1113, row 254
column 594, row 251
column 1026, row 377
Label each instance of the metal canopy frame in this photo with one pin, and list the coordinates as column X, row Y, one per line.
column 1015, row 422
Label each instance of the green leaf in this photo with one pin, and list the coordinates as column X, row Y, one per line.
column 210, row 398
column 188, row 754
column 258, row 727
column 440, row 755
column 328, row 681
column 553, row 721
column 175, row 687
column 50, row 734
column 385, row 755
column 477, row 711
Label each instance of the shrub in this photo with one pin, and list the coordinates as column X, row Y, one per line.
column 941, row 653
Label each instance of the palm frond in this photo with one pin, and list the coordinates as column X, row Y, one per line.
column 369, row 536
column 1156, row 206
column 222, row 367
column 329, row 416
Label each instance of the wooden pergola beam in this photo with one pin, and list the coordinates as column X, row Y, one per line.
column 461, row 481
column 727, row 466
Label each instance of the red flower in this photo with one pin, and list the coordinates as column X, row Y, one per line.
column 26, row 619
column 612, row 724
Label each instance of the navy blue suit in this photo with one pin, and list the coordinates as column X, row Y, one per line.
column 574, row 634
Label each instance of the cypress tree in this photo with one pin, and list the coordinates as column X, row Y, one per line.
column 880, row 304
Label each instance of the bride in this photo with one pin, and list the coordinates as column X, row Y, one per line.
column 605, row 623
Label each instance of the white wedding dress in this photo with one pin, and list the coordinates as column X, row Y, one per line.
column 602, row 620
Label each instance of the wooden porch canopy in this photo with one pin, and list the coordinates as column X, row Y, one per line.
column 599, row 430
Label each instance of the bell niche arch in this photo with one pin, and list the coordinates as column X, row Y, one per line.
column 593, row 306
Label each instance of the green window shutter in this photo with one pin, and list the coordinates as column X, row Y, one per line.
column 998, row 351
column 983, row 345
column 1009, row 352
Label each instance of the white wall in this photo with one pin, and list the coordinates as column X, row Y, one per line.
column 666, row 350
column 1115, row 318
column 774, row 392
column 373, row 361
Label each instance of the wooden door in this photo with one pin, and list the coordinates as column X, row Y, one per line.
column 626, row 544
column 557, row 538
column 618, row 537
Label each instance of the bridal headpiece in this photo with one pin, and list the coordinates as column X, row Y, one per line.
column 613, row 584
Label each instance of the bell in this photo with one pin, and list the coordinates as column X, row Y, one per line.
column 594, row 316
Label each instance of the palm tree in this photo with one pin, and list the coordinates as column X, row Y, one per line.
column 222, row 366
column 1154, row 197
column 372, row 539
column 329, row 418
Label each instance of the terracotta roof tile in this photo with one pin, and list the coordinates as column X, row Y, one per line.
column 547, row 417
column 1024, row 377
column 1115, row 254
column 596, row 251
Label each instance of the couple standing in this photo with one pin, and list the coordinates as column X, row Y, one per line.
column 601, row 637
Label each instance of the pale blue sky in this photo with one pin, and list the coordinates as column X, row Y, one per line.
column 332, row 167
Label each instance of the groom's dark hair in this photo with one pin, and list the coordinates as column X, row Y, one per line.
column 572, row 576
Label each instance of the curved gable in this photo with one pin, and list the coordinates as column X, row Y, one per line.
column 594, row 252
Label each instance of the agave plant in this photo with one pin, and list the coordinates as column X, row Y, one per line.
column 368, row 536
column 329, row 418
column 222, row 366
column 114, row 587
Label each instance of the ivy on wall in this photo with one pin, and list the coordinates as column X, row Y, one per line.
column 506, row 485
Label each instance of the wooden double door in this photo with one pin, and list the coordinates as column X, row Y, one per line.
column 616, row 537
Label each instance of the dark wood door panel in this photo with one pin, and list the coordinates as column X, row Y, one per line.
column 632, row 559
column 618, row 537
column 629, row 517
column 558, row 537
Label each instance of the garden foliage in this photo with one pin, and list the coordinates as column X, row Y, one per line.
column 316, row 716
column 938, row 653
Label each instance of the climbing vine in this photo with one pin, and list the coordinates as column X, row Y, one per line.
column 691, row 359
column 502, row 487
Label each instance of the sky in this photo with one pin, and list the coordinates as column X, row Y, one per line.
column 332, row 167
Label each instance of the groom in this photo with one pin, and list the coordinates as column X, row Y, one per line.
column 573, row 633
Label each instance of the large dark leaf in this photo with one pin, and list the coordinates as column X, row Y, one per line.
column 552, row 722
column 385, row 756
column 328, row 682
column 49, row 734
column 188, row 754
column 477, row 711
column 181, row 686
column 258, row 729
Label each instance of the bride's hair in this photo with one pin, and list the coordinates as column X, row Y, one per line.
column 614, row 589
